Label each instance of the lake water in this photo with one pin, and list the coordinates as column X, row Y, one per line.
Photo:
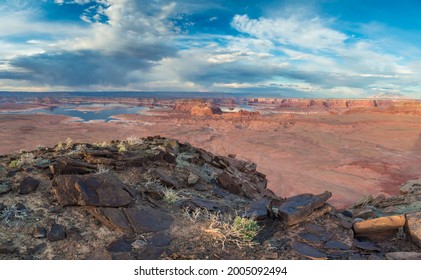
column 104, row 113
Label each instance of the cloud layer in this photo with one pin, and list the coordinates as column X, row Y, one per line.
column 202, row 46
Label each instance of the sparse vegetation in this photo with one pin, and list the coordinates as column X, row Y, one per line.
column 100, row 169
column 12, row 216
column 134, row 140
column 121, row 147
column 69, row 143
column 225, row 228
column 59, row 147
column 246, row 229
column 25, row 159
column 14, row 163
column 169, row 196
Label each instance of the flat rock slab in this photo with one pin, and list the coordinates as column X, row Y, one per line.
column 413, row 224
column 28, row 185
column 167, row 180
column 308, row 251
column 113, row 218
column 91, row 190
column 336, row 245
column 148, row 220
column 68, row 166
column 403, row 256
column 366, row 245
column 210, row 205
column 313, row 238
column 162, row 238
column 258, row 209
column 297, row 208
column 378, row 225
column 227, row 182
column 120, row 245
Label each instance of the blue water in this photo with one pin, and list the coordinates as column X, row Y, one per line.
column 69, row 110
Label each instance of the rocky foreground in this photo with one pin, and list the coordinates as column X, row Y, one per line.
column 156, row 198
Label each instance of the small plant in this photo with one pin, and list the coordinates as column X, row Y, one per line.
column 59, row 147
column 41, row 147
column 244, row 228
column 27, row 159
column 134, row 140
column 14, row 163
column 103, row 144
column 69, row 143
column 169, row 196
column 12, row 215
column 80, row 147
column 121, row 147
column 102, row 169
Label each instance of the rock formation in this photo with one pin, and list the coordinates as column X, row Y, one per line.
column 156, row 198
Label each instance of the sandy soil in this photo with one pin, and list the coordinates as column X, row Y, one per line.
column 350, row 155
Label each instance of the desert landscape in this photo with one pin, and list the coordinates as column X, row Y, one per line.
column 349, row 147
column 209, row 178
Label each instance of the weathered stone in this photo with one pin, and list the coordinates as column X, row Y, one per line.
column 227, row 182
column 166, row 179
column 404, row 256
column 5, row 187
column 313, row 238
column 39, row 232
column 120, row 245
column 366, row 245
column 296, row 209
column 336, row 245
column 169, row 157
column 66, row 166
column 113, row 218
column 258, row 209
column 162, row 238
column 56, row 233
column 309, row 251
column 148, row 220
column 413, row 225
column 363, row 213
column 209, row 205
column 20, row 206
column 91, row 190
column 139, row 244
column 411, row 186
column 28, row 185
column 192, row 179
column 382, row 225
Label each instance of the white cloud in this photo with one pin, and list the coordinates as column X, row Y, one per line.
column 302, row 32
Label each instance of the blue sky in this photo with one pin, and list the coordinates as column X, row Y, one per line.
column 348, row 48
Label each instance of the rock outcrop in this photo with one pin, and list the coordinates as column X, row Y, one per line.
column 161, row 199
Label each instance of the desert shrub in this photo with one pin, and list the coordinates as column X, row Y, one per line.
column 246, row 229
column 169, row 196
column 100, row 169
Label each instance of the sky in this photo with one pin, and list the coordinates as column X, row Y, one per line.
column 325, row 48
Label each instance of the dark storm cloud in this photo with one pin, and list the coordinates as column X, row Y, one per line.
column 86, row 68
